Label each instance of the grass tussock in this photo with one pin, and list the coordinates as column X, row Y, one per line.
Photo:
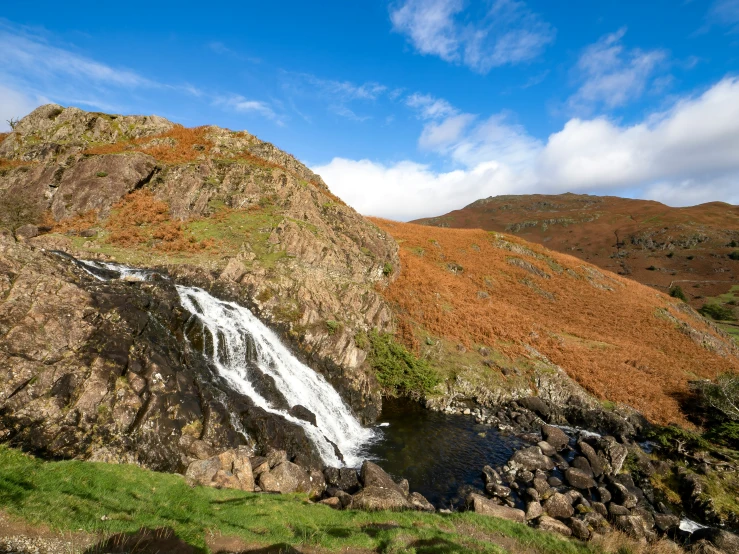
column 106, row 499
column 599, row 327
column 3, row 136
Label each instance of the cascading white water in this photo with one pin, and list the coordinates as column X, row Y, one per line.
column 230, row 327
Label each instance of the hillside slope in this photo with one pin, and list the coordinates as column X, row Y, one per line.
column 647, row 241
column 492, row 311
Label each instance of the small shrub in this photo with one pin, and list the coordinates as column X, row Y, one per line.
column 670, row 255
column 691, row 257
column 397, row 369
column 16, row 211
column 726, row 434
column 717, row 312
column 101, row 174
column 734, row 255
column 332, row 325
column 733, row 244
column 387, row 269
column 677, row 292
column 651, row 268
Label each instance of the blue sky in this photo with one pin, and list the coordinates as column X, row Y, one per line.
column 411, row 108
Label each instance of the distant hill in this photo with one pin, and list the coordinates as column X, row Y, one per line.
column 646, row 241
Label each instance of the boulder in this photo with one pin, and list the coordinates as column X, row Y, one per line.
column 546, row 523
column 617, row 510
column 546, row 448
column 27, row 231
column 623, row 496
column 604, row 495
column 600, row 508
column 579, row 479
column 532, row 458
column 317, row 483
column 380, row 498
column 288, row 477
column 536, row 405
column 666, row 522
column 559, row 505
column 276, row 457
column 631, row 525
column 489, row 475
column 581, row 463
column 373, row 475
column 579, row 529
column 533, row 510
column 344, row 478
column 481, row 505
column 596, row 464
column 404, row 486
column 532, row 494
column 555, row 436
column 229, row 469
column 613, row 454
column 419, row 502
column 202, row 472
column 331, row 502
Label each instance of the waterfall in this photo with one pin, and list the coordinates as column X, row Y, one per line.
column 239, row 342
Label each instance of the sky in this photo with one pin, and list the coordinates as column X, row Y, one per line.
column 413, row 108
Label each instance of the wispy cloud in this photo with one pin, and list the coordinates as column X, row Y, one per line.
column 507, row 33
column 721, row 13
column 612, row 75
column 240, row 104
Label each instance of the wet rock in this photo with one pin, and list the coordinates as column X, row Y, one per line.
column 533, row 510
column 482, row 505
column 579, row 529
column 525, row 476
column 546, row 523
column 489, row 475
column 554, row 482
column 555, row 436
column 536, row 405
column 559, row 505
column 419, row 502
column 579, row 479
column 380, row 498
column 301, row 412
column 532, row 458
column 499, row 490
column 344, row 478
column 722, row 539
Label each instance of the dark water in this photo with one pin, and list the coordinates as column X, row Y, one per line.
column 438, row 453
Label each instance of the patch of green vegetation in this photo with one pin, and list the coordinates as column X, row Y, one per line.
column 722, row 488
column 399, row 371
column 651, row 268
column 734, row 255
column 387, row 269
column 101, row 174
column 73, row 495
column 332, row 325
column 677, row 292
column 719, row 312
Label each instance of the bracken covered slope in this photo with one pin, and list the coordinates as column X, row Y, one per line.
column 502, row 304
column 644, row 240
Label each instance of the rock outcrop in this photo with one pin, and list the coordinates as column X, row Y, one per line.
column 309, row 266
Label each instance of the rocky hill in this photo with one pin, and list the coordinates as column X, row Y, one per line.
column 649, row 242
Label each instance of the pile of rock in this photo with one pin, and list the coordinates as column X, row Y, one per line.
column 574, row 489
column 370, row 489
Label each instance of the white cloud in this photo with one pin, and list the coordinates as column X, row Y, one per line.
column 430, row 107
column 15, row 105
column 723, row 13
column 27, row 55
column 508, row 33
column 244, row 105
column 437, row 136
column 682, row 156
column 611, row 75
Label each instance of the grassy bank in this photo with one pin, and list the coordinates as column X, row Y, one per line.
column 106, row 499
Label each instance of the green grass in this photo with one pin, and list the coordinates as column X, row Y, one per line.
column 73, row 495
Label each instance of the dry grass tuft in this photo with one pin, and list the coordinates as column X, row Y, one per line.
column 3, row 136
column 75, row 224
column 9, row 164
column 140, row 219
column 617, row 542
column 178, row 145
column 457, row 284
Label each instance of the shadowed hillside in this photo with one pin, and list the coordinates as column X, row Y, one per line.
column 502, row 305
column 691, row 248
